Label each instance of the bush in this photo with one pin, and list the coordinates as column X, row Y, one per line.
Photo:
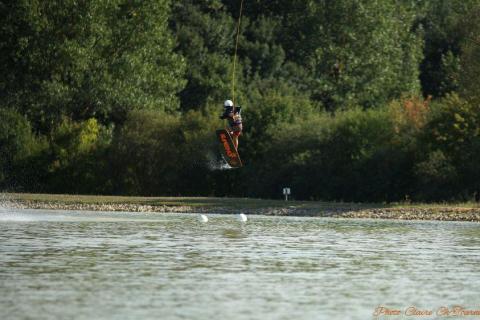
column 451, row 148
column 17, row 143
column 436, row 177
column 348, row 156
column 159, row 154
column 75, row 160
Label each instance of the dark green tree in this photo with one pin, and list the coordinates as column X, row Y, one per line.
column 354, row 52
column 451, row 147
column 16, row 144
column 154, row 153
column 86, row 59
column 205, row 34
column 445, row 32
column 469, row 73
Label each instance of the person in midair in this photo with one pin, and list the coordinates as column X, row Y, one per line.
column 234, row 118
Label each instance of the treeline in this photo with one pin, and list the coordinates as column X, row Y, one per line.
column 353, row 100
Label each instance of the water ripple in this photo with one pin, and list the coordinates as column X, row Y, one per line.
column 85, row 265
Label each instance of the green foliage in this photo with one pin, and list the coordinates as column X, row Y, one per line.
column 454, row 125
column 87, row 59
column 436, row 176
column 269, row 104
column 362, row 62
column 445, row 32
column 16, row 144
column 262, row 56
column 75, row 159
column 158, row 153
column 145, row 146
column 470, row 58
column 205, row 34
column 356, row 52
column 341, row 53
column 124, row 96
column 349, row 157
column 450, row 144
column 73, row 139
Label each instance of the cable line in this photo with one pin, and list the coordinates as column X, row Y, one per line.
column 235, row 53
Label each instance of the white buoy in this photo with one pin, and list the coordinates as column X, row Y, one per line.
column 242, row 217
column 203, row 218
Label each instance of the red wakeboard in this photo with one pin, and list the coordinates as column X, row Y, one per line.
column 229, row 151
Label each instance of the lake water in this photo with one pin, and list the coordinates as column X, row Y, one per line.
column 97, row 265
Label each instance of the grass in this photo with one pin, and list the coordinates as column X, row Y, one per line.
column 213, row 202
column 210, row 202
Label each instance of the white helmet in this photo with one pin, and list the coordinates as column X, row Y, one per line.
column 228, row 103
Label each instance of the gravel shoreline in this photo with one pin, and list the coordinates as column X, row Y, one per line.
column 401, row 213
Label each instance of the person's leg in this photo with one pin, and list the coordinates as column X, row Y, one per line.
column 237, row 131
column 235, row 141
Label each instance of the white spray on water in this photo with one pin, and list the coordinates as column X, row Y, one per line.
column 215, row 163
column 9, row 210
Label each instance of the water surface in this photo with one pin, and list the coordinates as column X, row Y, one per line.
column 97, row 265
